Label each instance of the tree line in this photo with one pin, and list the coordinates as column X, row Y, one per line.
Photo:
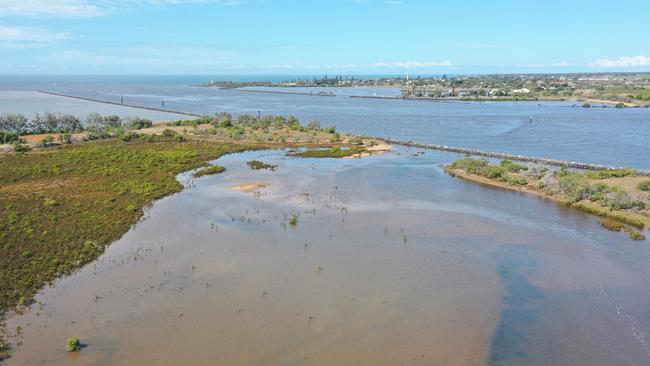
column 13, row 125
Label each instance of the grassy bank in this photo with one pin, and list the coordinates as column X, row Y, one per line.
column 334, row 152
column 61, row 207
column 616, row 196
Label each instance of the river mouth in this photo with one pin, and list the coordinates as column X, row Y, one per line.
column 389, row 261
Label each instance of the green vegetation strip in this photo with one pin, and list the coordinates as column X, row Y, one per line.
column 257, row 165
column 211, row 170
column 335, row 152
column 59, row 208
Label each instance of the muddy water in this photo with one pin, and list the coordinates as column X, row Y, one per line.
column 391, row 262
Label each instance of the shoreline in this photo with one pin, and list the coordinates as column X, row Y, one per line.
column 588, row 208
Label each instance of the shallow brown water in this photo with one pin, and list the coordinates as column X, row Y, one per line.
column 391, row 262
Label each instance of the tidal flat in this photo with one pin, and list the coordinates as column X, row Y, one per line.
column 390, row 261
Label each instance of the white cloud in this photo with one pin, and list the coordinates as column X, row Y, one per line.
column 50, row 8
column 412, row 64
column 561, row 64
column 85, row 8
column 12, row 34
column 624, row 61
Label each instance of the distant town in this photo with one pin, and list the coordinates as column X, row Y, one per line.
column 618, row 89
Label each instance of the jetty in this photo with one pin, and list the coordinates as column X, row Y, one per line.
column 120, row 104
column 318, row 94
column 419, row 99
column 505, row 156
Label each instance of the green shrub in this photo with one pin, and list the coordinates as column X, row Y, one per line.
column 356, row 141
column 515, row 180
column 73, row 345
column 313, row 125
column 575, row 187
column 644, row 186
column 605, row 174
column 9, row 137
column 46, row 141
column 612, row 225
column 618, row 199
column 635, row 235
column 293, row 220
column 256, row 165
column 129, row 136
column 169, row 133
column 66, row 138
column 140, row 123
column 50, row 202
column 25, row 301
column 513, row 167
column 18, row 147
column 470, row 165
column 495, row 172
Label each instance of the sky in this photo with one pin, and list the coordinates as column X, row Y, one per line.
column 312, row 37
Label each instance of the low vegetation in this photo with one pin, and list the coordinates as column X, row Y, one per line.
column 603, row 193
column 257, row 165
column 293, row 220
column 211, row 170
column 644, row 186
column 55, row 204
column 73, row 345
column 334, row 152
column 503, row 172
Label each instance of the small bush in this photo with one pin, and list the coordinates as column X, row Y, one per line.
column 50, row 202
column 46, row 141
column 612, row 225
column 356, row 141
column 18, row 147
column 66, row 138
column 129, row 136
column 575, row 187
column 140, row 123
column 25, row 301
column 169, row 133
column 512, row 167
column 313, row 125
column 644, row 186
column 293, row 220
column 9, row 137
column 635, row 235
column 73, row 345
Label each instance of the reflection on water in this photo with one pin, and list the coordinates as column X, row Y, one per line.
column 520, row 303
column 391, row 262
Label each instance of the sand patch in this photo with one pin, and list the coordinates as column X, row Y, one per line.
column 250, row 187
column 380, row 148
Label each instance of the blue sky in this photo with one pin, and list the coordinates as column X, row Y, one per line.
column 318, row 37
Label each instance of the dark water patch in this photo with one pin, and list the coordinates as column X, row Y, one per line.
column 521, row 301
